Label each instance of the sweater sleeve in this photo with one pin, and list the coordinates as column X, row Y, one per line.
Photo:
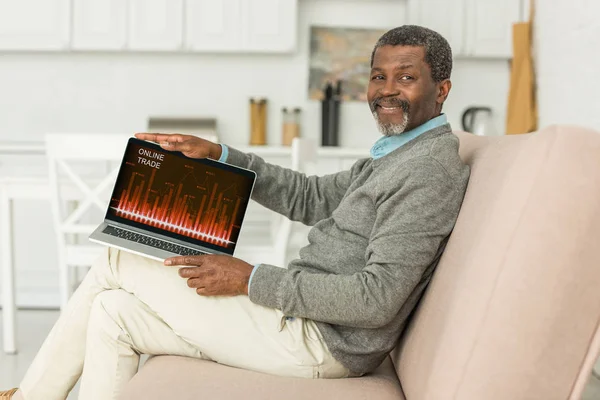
column 412, row 222
column 307, row 199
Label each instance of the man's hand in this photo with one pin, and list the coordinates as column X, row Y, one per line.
column 214, row 275
column 190, row 146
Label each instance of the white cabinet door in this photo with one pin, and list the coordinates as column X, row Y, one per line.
column 99, row 24
column 269, row 25
column 155, row 24
column 489, row 28
column 213, row 25
column 447, row 17
column 34, row 24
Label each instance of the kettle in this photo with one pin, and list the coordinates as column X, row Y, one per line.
column 478, row 120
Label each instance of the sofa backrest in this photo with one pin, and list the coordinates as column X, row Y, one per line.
column 512, row 311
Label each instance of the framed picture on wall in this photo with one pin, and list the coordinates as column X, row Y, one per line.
column 341, row 54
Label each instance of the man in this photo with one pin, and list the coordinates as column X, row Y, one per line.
column 379, row 230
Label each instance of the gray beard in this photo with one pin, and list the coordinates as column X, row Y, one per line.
column 391, row 129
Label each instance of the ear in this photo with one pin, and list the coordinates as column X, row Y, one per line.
column 443, row 89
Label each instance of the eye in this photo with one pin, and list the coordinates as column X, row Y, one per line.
column 406, row 78
column 377, row 77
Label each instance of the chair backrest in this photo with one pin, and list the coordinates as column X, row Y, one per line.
column 512, row 311
column 68, row 155
column 304, row 152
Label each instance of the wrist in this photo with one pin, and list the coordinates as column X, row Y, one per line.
column 215, row 151
column 248, row 279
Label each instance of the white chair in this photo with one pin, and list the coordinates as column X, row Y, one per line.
column 11, row 189
column 82, row 167
column 274, row 246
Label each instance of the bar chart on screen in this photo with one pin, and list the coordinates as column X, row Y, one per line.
column 177, row 195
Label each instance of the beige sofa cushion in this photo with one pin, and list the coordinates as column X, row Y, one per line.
column 171, row 377
column 514, row 305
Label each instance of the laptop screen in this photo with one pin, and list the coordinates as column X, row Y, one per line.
column 199, row 201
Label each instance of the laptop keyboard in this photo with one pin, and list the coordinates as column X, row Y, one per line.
column 150, row 241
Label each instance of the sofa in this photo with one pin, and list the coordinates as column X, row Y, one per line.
column 513, row 308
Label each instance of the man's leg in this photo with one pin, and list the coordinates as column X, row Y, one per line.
column 229, row 330
column 121, row 328
column 59, row 362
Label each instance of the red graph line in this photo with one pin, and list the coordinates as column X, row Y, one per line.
column 175, row 212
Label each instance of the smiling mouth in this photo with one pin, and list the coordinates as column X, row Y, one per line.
column 388, row 109
column 392, row 106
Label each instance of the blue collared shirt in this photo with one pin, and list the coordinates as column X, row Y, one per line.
column 387, row 144
column 224, row 153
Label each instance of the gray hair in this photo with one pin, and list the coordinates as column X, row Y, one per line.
column 438, row 54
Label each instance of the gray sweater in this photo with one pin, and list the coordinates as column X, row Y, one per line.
column 378, row 232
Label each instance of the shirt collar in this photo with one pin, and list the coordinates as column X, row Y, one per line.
column 387, row 144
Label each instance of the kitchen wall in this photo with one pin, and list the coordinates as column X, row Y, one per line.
column 567, row 39
column 104, row 92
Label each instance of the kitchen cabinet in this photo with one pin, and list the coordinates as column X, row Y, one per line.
column 34, row 24
column 269, row 25
column 213, row 26
column 231, row 26
column 443, row 16
column 99, row 25
column 155, row 25
column 265, row 26
column 474, row 28
column 491, row 37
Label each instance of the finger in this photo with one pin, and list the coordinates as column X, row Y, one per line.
column 185, row 145
column 196, row 283
column 185, row 260
column 146, row 136
column 204, row 291
column 168, row 141
column 191, row 272
column 196, row 272
column 157, row 137
column 151, row 137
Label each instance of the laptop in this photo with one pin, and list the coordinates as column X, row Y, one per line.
column 165, row 204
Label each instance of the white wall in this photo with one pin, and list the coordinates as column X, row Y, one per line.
column 567, row 40
column 104, row 92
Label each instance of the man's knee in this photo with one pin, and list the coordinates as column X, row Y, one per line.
column 105, row 271
column 111, row 305
column 102, row 265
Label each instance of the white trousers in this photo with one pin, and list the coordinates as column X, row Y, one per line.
column 129, row 305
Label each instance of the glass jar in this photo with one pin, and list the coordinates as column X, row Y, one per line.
column 291, row 125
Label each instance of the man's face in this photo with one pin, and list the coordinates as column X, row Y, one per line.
column 401, row 93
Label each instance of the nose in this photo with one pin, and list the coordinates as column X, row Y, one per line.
column 390, row 88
